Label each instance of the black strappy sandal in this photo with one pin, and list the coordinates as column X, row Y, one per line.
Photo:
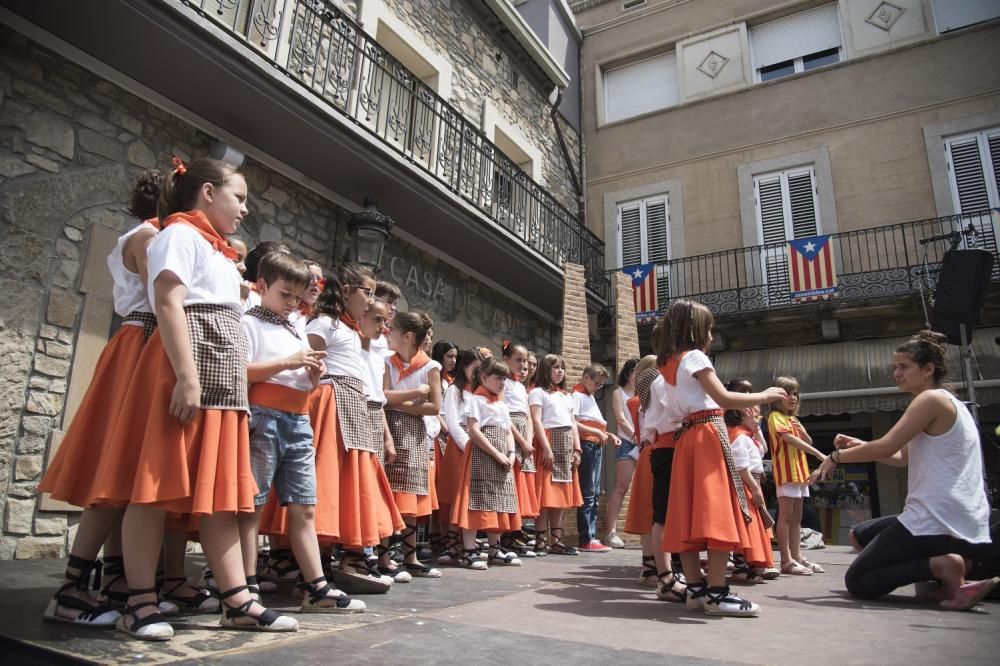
column 153, row 627
column 416, row 569
column 743, row 572
column 317, row 598
column 648, row 576
column 114, row 571
column 720, row 602
column 558, row 547
column 498, row 556
column 94, row 614
column 267, row 620
column 281, row 565
column 354, row 576
column 201, row 602
column 451, row 546
column 470, row 560
column 392, row 570
column 669, row 591
column 541, row 550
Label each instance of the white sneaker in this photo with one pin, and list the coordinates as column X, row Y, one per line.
column 720, row 601
column 614, row 541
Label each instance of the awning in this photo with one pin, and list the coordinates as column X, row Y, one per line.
column 856, row 376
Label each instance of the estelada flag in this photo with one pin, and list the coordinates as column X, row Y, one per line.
column 811, row 273
column 643, row 289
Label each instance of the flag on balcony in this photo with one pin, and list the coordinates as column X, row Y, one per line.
column 643, row 289
column 811, row 273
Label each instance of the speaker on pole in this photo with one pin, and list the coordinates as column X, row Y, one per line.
column 961, row 291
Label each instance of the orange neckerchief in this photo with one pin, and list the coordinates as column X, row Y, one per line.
column 669, row 368
column 736, row 430
column 419, row 360
column 305, row 309
column 580, row 388
column 485, row 392
column 197, row 219
column 349, row 321
column 155, row 221
column 449, row 377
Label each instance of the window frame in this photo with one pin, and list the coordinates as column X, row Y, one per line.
column 982, row 137
column 605, row 69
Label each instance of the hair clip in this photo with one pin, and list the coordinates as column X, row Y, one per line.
column 179, row 167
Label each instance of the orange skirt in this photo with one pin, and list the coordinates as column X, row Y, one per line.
column 354, row 504
column 702, row 511
column 71, row 476
column 200, row 468
column 448, row 471
column 527, row 493
column 639, row 518
column 486, row 521
column 553, row 495
column 757, row 548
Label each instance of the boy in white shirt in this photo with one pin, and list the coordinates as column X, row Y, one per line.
column 593, row 436
column 282, row 372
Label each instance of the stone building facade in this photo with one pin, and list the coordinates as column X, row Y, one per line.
column 71, row 146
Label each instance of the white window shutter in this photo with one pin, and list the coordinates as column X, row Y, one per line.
column 955, row 14
column 770, row 209
column 657, row 248
column 802, row 203
column 641, row 87
column 630, row 235
column 994, row 143
column 967, row 173
column 795, row 36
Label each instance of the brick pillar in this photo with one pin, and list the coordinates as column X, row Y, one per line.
column 575, row 350
column 626, row 347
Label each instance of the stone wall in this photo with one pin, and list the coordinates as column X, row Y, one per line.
column 449, row 28
column 71, row 145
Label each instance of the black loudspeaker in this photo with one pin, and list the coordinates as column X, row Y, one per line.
column 961, row 291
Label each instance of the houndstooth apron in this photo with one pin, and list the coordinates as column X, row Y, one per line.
column 220, row 352
column 409, row 471
column 561, row 441
column 146, row 319
column 352, row 413
column 491, row 486
column 520, row 421
column 714, row 417
column 376, row 418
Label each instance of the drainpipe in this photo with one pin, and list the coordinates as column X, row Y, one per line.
column 577, row 187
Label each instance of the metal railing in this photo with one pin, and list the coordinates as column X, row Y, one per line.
column 879, row 262
column 320, row 47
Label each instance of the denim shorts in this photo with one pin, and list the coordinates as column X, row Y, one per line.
column 622, row 452
column 282, row 453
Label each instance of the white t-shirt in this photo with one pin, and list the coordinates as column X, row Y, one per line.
column 129, row 292
column 557, row 407
column 380, row 346
column 688, row 396
column 586, row 409
column 456, row 412
column 746, row 455
column 209, row 276
column 374, row 376
column 343, row 347
column 516, row 396
column 270, row 341
column 944, row 488
column 658, row 418
column 488, row 413
column 253, row 300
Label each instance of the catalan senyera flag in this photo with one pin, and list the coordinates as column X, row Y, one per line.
column 643, row 289
column 811, row 273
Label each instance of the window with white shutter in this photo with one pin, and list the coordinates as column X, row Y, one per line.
column 955, row 14
column 974, row 167
column 644, row 236
column 787, row 207
column 641, row 87
column 796, row 43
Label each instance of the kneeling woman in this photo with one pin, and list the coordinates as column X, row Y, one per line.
column 946, row 515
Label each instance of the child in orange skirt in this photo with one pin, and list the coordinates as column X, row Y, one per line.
column 756, row 556
column 354, row 505
column 412, row 391
column 184, row 421
column 557, row 454
column 72, row 473
column 706, row 508
column 790, row 443
column 516, row 397
column 639, row 518
column 487, row 498
column 457, row 404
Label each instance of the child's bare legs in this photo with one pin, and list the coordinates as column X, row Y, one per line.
column 623, row 478
column 554, row 522
column 662, row 559
column 786, row 516
column 795, row 530
column 174, row 550
column 469, row 539
column 142, row 537
column 691, row 563
column 410, row 539
column 97, row 526
column 249, row 524
column 305, row 545
column 220, row 537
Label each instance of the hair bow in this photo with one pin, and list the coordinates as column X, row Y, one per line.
column 179, row 167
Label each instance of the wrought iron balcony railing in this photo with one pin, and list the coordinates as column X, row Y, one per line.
column 319, row 46
column 870, row 263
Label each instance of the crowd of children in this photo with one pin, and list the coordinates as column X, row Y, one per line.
column 298, row 403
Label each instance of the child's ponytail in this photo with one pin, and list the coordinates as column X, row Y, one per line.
column 181, row 185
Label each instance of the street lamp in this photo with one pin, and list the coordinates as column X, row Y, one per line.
column 368, row 230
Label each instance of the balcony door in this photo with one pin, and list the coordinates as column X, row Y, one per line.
column 643, row 237
column 787, row 208
column 974, row 172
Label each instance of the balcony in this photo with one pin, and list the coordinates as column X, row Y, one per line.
column 300, row 81
column 879, row 263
